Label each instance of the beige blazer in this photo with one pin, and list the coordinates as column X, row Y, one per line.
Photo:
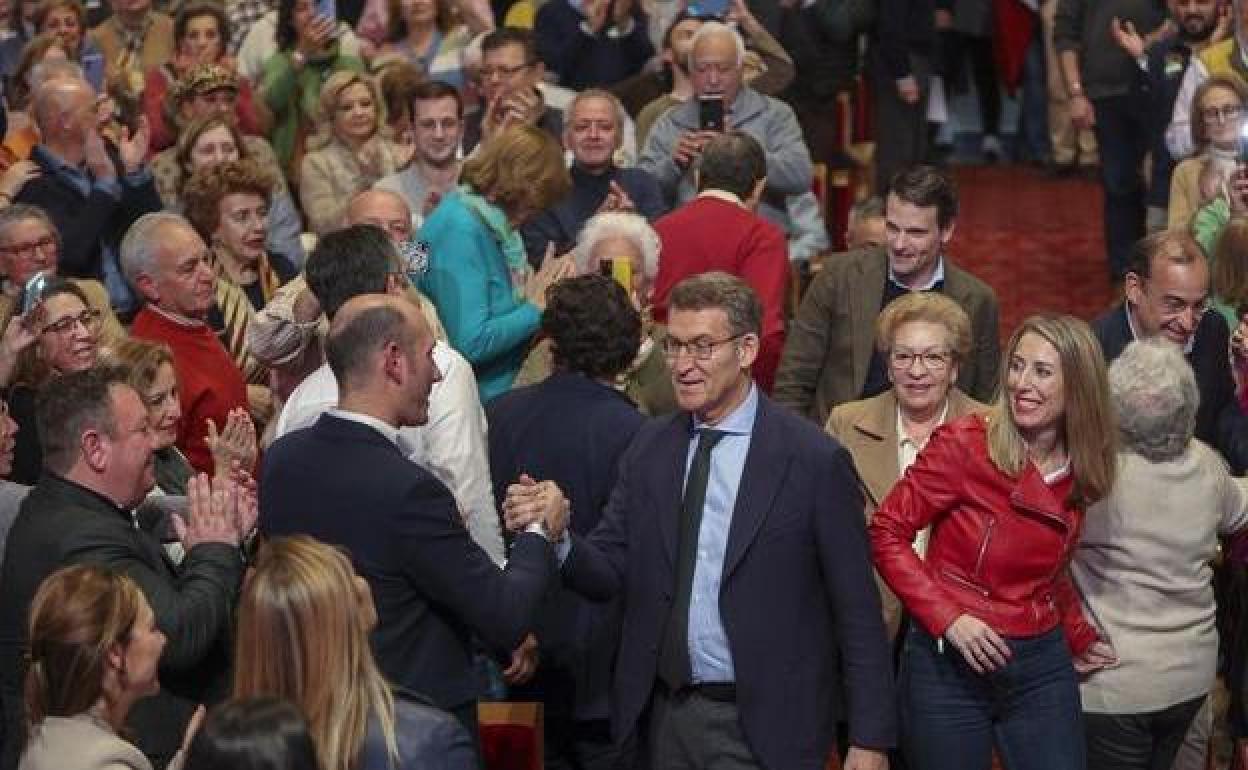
column 868, row 429
column 156, row 50
column 82, row 742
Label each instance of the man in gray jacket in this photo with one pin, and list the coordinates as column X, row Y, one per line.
column 716, row 67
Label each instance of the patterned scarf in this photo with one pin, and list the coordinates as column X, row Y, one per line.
column 236, row 312
column 508, row 237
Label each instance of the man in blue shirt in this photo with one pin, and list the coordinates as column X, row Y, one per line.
column 735, row 535
column 92, row 190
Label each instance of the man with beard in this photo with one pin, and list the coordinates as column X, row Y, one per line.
column 592, row 132
column 1222, row 56
column 438, row 127
column 1105, row 95
column 1200, row 24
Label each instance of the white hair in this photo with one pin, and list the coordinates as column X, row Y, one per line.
column 138, row 247
column 1154, row 392
column 619, row 224
column 621, row 114
column 711, row 28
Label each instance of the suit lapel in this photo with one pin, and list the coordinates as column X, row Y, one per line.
column 766, row 465
column 876, row 438
column 668, row 488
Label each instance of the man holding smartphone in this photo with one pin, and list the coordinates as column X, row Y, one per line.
column 722, row 102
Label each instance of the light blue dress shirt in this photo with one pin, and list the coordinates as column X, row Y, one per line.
column 710, row 656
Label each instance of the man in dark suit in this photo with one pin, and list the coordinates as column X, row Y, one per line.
column 829, row 355
column 97, row 466
column 92, row 191
column 1167, row 295
column 747, row 594
column 346, row 481
column 572, row 428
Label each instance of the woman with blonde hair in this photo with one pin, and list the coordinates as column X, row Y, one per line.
column 350, row 153
column 995, row 620
column 94, row 651
column 488, row 298
column 1229, row 267
column 150, row 371
column 303, row 626
column 1217, row 122
column 923, row 337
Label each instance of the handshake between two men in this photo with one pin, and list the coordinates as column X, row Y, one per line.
column 542, row 504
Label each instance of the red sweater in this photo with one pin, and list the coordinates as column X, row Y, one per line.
column 713, row 234
column 209, row 384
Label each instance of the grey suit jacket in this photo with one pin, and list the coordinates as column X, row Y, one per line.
column 830, row 343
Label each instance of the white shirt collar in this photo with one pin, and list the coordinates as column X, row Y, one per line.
column 903, row 438
column 384, row 428
column 937, row 277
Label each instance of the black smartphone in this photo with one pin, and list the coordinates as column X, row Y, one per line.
column 711, row 113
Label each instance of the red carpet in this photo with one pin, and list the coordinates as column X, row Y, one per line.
column 1037, row 241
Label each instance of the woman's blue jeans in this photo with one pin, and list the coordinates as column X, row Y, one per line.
column 1029, row 709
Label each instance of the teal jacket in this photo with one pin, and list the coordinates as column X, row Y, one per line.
column 469, row 283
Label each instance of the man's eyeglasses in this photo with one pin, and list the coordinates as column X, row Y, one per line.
column 1225, row 112
column 701, row 350
column 27, row 250
column 91, row 320
column 932, row 361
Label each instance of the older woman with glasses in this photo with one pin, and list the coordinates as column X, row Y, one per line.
column 923, row 337
column 30, row 244
column 60, row 335
column 1218, row 119
column 622, row 245
column 1144, row 562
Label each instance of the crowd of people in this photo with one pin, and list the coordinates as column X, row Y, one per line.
column 364, row 361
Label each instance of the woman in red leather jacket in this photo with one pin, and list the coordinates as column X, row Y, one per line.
column 995, row 621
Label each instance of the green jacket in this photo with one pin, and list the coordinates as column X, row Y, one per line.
column 1207, row 227
column 293, row 96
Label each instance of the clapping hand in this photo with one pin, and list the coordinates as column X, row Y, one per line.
column 1126, row 37
column 553, row 270
column 617, row 200
column 234, row 445
column 133, row 147
column 16, row 176
column 212, row 513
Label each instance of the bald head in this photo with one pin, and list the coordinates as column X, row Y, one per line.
column 380, row 350
column 63, row 107
column 383, row 208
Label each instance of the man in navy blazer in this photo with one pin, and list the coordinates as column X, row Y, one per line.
column 346, row 481
column 739, row 621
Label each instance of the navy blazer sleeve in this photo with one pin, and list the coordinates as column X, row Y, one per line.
column 452, row 570
column 844, row 554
